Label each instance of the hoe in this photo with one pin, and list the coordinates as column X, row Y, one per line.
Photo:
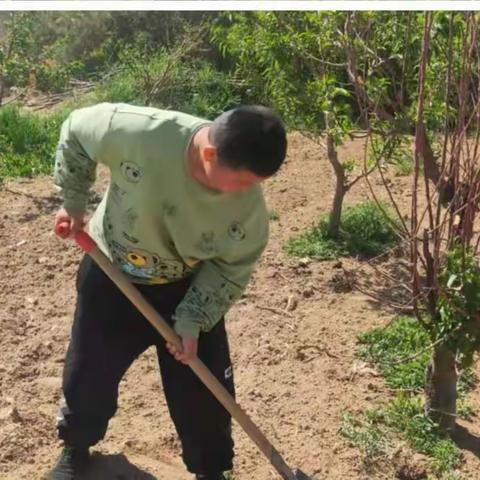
column 210, row 381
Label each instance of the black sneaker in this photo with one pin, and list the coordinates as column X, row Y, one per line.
column 71, row 464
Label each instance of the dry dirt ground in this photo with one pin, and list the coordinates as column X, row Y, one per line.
column 296, row 372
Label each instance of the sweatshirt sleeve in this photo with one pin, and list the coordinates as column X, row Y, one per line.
column 81, row 146
column 218, row 284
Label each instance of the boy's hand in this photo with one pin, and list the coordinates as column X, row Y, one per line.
column 74, row 222
column 189, row 352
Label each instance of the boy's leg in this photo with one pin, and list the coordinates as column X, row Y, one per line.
column 107, row 335
column 203, row 424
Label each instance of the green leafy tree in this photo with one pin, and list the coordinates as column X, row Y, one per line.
column 16, row 46
column 443, row 244
column 328, row 73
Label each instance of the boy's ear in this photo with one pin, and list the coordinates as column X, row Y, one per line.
column 210, row 153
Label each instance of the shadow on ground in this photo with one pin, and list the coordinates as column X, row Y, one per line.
column 466, row 440
column 114, row 467
column 45, row 205
column 386, row 283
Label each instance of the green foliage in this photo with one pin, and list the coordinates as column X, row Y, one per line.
column 27, row 141
column 161, row 79
column 367, row 230
column 405, row 414
column 436, row 110
column 389, row 150
column 51, row 48
column 403, row 164
column 451, row 476
column 54, row 77
column 298, row 62
column 364, row 231
column 139, row 71
column 401, row 353
column 378, row 432
column 349, row 165
column 275, row 54
column 398, row 153
column 369, row 434
column 386, row 347
column 459, row 304
column 121, row 88
column 295, row 61
column 208, row 92
column 25, row 165
column 17, row 49
column 66, row 37
column 315, row 243
column 464, row 409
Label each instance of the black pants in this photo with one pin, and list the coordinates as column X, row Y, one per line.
column 108, row 334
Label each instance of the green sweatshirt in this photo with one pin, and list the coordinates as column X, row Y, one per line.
column 155, row 222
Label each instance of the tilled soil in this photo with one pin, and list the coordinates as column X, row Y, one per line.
column 293, row 340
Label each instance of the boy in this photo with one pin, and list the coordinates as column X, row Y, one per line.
column 185, row 219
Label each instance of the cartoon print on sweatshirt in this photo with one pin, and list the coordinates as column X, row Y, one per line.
column 236, row 231
column 214, row 301
column 131, row 172
column 117, row 194
column 129, row 219
column 144, row 264
column 208, row 243
column 66, row 161
column 169, row 210
column 131, row 239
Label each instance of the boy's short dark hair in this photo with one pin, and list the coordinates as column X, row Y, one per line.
column 250, row 137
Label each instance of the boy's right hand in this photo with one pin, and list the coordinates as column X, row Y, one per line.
column 72, row 222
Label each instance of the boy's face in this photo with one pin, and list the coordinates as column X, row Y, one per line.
column 225, row 179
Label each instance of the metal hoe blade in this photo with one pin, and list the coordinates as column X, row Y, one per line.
column 299, row 475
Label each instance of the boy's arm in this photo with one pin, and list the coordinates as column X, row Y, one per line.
column 81, row 146
column 215, row 288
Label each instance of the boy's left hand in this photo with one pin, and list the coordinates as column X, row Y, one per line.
column 190, row 349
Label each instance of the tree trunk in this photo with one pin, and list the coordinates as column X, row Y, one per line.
column 2, row 90
column 441, row 388
column 336, row 213
column 340, row 188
